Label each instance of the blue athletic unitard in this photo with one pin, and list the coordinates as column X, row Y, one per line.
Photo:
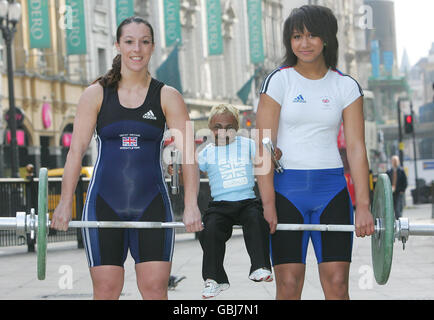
column 128, row 182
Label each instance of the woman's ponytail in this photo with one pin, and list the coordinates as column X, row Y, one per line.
column 113, row 76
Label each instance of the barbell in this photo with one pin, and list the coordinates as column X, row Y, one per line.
column 387, row 229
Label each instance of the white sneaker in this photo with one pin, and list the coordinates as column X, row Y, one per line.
column 261, row 274
column 212, row 288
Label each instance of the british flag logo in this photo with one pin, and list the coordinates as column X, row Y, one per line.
column 326, row 101
column 233, row 174
column 232, row 170
column 129, row 141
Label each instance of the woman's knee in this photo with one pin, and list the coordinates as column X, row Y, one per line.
column 334, row 278
column 289, row 288
column 107, row 290
column 336, row 287
column 153, row 279
column 153, row 290
column 107, row 281
column 289, row 282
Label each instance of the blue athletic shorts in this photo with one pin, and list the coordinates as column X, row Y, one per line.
column 110, row 246
column 312, row 197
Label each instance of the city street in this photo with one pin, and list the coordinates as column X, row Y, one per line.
column 412, row 275
column 137, row 91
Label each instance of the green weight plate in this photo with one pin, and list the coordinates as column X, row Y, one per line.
column 42, row 237
column 382, row 241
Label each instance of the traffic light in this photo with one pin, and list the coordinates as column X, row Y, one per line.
column 408, row 123
column 247, row 120
column 248, row 123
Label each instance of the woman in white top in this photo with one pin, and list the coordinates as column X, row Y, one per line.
column 303, row 103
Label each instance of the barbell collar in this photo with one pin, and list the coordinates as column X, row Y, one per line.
column 21, row 224
column 270, row 148
column 32, row 224
column 174, row 179
column 402, row 229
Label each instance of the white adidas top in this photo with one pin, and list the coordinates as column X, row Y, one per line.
column 310, row 116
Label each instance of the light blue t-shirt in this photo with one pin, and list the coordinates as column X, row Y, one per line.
column 230, row 169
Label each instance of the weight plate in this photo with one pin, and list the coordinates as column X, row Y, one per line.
column 382, row 240
column 41, row 240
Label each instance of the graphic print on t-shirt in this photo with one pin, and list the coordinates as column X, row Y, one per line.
column 233, row 173
column 230, row 169
column 299, row 99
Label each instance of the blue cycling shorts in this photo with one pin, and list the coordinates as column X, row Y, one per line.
column 312, row 197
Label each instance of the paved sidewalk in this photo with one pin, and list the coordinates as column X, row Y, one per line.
column 412, row 275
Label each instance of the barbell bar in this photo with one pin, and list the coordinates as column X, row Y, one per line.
column 386, row 228
column 403, row 228
column 28, row 221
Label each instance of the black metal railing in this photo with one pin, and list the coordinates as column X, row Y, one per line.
column 14, row 197
column 22, row 195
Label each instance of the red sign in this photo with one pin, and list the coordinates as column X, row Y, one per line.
column 66, row 139
column 46, row 115
column 20, row 137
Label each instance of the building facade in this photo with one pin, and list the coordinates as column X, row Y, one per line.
column 213, row 71
column 49, row 78
column 223, row 46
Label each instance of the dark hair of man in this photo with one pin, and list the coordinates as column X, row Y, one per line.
column 319, row 21
column 113, row 76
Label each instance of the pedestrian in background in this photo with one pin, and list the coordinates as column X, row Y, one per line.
column 30, row 172
column 398, row 179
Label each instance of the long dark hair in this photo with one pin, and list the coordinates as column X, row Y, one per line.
column 319, row 21
column 113, row 76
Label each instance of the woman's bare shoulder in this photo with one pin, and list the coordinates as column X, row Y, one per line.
column 92, row 96
column 171, row 100
column 168, row 93
column 94, row 90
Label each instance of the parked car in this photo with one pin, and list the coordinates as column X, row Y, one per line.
column 55, row 189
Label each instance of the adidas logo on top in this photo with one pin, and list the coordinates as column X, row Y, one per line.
column 299, row 99
column 149, row 115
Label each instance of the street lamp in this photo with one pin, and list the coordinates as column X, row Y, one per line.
column 10, row 14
